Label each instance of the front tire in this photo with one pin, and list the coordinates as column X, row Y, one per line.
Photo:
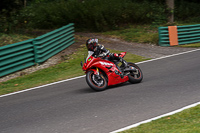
column 96, row 82
column 135, row 77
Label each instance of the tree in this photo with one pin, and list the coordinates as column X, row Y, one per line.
column 170, row 7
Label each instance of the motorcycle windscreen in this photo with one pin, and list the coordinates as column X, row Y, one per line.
column 89, row 54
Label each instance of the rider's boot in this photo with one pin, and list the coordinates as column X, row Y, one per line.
column 124, row 63
column 121, row 69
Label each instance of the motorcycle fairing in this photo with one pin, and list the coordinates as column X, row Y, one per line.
column 108, row 67
column 122, row 54
column 89, row 54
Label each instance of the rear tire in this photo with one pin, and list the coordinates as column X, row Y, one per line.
column 95, row 83
column 135, row 77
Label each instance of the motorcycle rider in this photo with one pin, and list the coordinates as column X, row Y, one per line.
column 101, row 51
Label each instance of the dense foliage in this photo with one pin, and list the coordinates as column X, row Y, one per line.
column 96, row 15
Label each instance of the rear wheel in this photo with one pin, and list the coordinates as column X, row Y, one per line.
column 135, row 77
column 96, row 82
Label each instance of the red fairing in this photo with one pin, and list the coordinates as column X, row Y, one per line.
column 84, row 67
column 105, row 66
column 101, row 72
column 122, row 54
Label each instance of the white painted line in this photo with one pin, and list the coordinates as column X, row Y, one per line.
column 170, row 113
column 84, row 75
column 168, row 56
column 155, row 118
column 134, row 125
column 41, row 86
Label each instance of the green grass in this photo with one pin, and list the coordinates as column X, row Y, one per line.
column 195, row 45
column 136, row 33
column 142, row 34
column 186, row 121
column 6, row 39
column 66, row 69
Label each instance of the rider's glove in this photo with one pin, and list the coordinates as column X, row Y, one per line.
column 102, row 55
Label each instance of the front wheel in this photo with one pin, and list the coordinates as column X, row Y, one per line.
column 135, row 77
column 96, row 82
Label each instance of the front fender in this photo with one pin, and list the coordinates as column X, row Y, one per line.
column 94, row 70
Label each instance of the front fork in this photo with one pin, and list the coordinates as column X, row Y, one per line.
column 97, row 71
column 98, row 76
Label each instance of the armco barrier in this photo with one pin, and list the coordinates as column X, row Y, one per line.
column 53, row 42
column 17, row 56
column 178, row 35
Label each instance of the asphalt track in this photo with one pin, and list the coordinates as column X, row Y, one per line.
column 72, row 107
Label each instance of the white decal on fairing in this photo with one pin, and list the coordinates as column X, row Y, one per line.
column 104, row 63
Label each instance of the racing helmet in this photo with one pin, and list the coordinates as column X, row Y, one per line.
column 91, row 44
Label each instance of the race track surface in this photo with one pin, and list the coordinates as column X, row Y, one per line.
column 72, row 107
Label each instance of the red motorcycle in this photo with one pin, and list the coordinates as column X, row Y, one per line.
column 101, row 73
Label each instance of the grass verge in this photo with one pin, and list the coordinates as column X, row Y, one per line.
column 142, row 34
column 6, row 39
column 186, row 121
column 67, row 69
column 136, row 33
column 195, row 45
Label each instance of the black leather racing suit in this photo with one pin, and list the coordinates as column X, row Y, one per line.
column 101, row 51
